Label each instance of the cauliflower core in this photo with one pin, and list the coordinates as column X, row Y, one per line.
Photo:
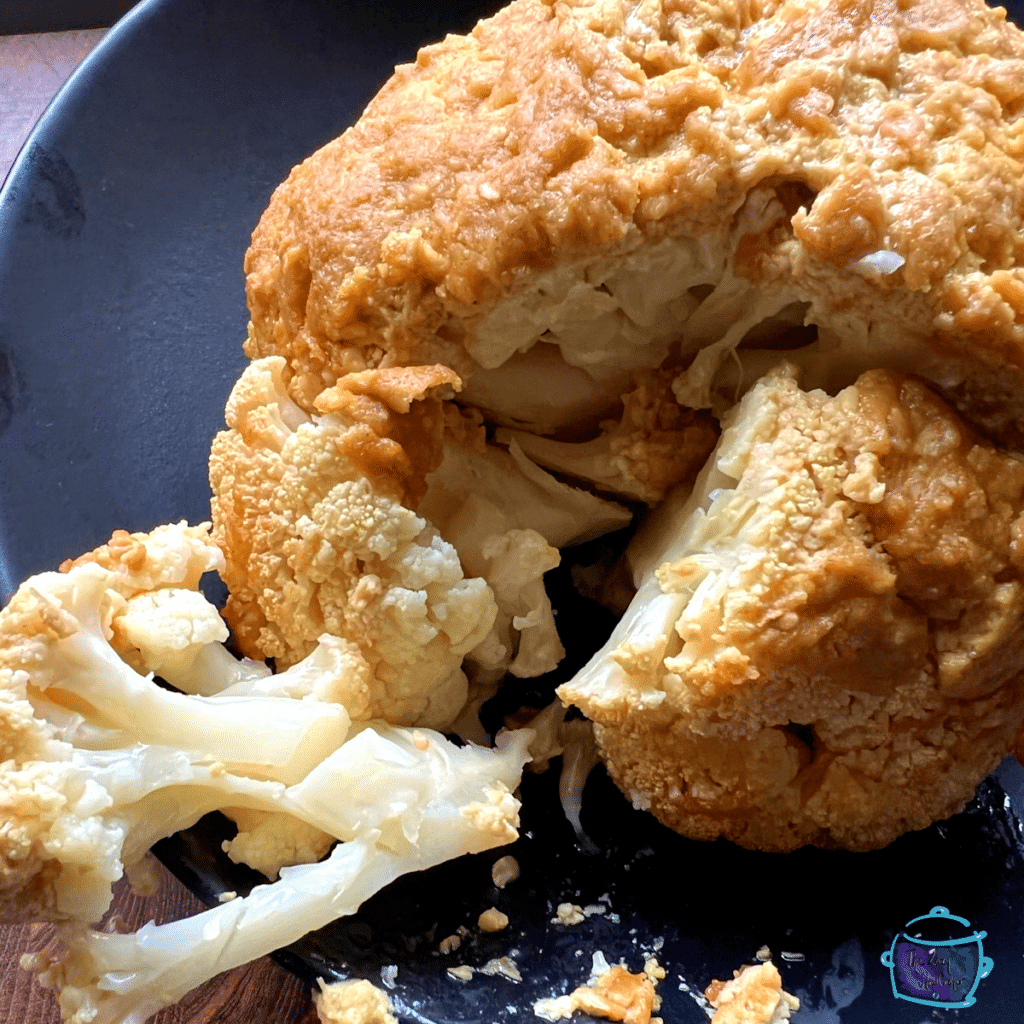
column 827, row 641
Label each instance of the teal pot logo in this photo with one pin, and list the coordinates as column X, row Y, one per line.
column 937, row 960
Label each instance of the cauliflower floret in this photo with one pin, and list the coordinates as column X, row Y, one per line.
column 89, row 746
column 827, row 641
column 178, row 635
column 268, row 841
column 100, row 762
column 312, row 513
column 316, row 516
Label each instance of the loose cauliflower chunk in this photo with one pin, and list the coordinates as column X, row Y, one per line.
column 754, row 996
column 827, row 640
column 353, row 1002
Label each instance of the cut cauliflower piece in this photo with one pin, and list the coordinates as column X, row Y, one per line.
column 312, row 512
column 99, row 761
column 826, row 644
column 432, row 805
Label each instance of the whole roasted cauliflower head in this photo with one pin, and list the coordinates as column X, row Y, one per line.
column 511, row 309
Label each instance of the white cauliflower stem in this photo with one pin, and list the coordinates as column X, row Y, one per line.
column 436, row 804
column 86, row 741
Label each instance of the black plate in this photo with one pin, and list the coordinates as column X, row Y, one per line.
column 122, row 229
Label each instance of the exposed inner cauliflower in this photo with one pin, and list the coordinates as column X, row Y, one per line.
column 655, row 444
column 317, row 515
column 507, row 519
column 827, row 640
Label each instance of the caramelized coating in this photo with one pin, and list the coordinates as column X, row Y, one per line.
column 504, row 186
column 827, row 645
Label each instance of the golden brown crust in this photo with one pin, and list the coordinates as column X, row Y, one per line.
column 384, row 441
column 617, row 995
column 570, row 132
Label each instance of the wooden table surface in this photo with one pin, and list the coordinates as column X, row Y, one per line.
column 32, row 69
